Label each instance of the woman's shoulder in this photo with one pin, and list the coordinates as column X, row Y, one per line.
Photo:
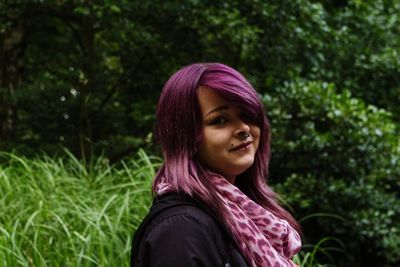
column 177, row 227
column 176, row 212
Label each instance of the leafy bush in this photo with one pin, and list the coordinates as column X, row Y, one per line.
column 333, row 153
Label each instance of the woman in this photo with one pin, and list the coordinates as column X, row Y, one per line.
column 212, row 206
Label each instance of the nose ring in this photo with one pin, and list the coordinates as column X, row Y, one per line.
column 244, row 135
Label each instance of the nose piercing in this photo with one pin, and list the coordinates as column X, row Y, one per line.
column 243, row 135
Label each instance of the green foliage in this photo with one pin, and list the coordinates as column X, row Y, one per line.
column 309, row 259
column 336, row 154
column 56, row 212
column 97, row 68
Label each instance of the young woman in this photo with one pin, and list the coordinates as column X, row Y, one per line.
column 212, row 206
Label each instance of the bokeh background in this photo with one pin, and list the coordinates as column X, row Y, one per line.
column 79, row 84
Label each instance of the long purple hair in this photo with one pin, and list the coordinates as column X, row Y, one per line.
column 179, row 132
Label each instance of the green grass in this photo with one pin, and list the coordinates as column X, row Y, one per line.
column 324, row 247
column 57, row 213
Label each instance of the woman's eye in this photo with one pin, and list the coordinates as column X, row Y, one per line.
column 246, row 117
column 218, row 121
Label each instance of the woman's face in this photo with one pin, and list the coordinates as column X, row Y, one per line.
column 229, row 141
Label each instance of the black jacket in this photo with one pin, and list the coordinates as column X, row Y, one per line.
column 180, row 231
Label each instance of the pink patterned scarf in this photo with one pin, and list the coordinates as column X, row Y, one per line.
column 264, row 239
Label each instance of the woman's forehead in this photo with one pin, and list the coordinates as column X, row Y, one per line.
column 211, row 103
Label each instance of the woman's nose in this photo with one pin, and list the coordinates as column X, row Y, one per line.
column 242, row 130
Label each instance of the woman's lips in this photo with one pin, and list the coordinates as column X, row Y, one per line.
column 243, row 146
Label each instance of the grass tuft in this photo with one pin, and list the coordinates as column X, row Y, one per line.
column 57, row 212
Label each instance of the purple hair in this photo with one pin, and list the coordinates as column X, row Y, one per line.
column 179, row 132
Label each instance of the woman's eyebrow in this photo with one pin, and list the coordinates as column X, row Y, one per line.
column 216, row 109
